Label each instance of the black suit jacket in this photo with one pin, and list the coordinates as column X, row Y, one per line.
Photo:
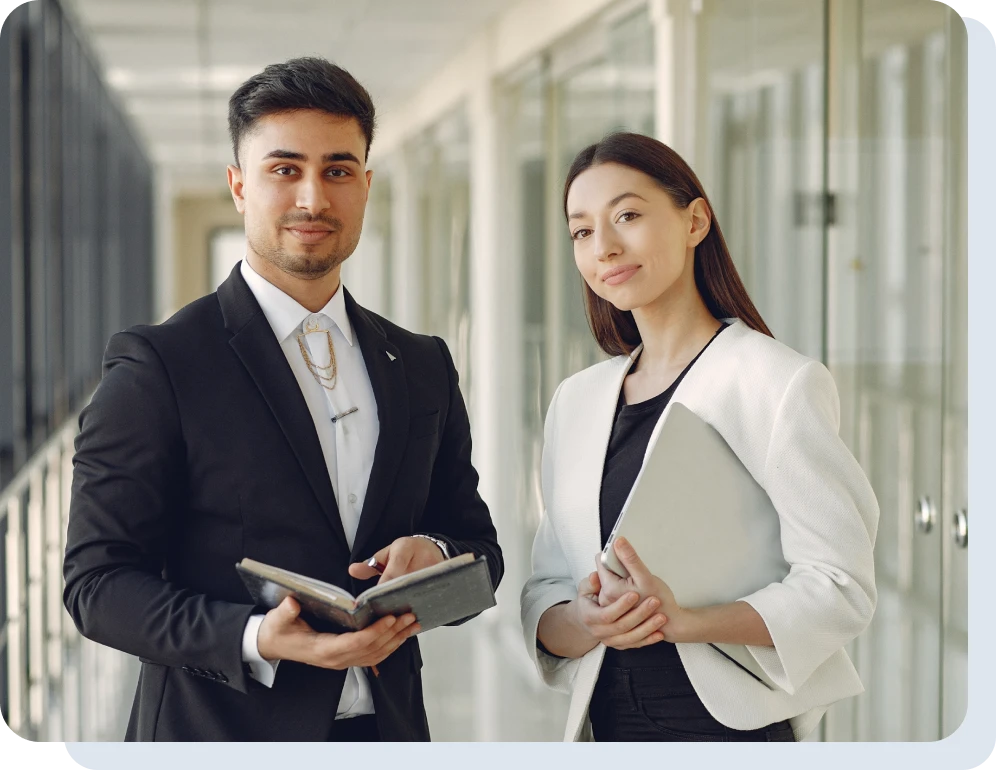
column 197, row 450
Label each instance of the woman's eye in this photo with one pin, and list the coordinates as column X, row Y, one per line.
column 628, row 216
column 581, row 232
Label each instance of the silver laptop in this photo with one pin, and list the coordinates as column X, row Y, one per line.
column 700, row 522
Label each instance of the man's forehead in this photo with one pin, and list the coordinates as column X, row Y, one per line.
column 307, row 132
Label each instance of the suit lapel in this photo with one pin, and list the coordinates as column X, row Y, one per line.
column 386, row 369
column 257, row 347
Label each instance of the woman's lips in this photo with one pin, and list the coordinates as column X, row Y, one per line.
column 620, row 275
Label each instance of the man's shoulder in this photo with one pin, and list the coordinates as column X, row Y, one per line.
column 189, row 326
column 403, row 338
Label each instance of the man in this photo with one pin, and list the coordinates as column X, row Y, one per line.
column 274, row 419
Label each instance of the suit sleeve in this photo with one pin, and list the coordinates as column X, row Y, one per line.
column 455, row 512
column 550, row 582
column 829, row 517
column 128, row 476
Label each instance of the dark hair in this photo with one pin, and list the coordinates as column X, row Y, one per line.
column 716, row 276
column 306, row 83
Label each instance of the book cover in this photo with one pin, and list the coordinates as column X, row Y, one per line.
column 437, row 595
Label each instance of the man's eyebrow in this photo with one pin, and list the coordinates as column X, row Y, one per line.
column 330, row 157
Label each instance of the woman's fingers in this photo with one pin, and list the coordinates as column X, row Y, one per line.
column 647, row 632
column 640, row 614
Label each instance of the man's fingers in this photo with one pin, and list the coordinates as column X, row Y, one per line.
column 363, row 571
column 397, row 562
column 402, row 632
column 358, row 647
column 289, row 607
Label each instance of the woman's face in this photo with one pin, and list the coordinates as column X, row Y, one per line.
column 632, row 245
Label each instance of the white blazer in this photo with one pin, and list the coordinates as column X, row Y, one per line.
column 779, row 412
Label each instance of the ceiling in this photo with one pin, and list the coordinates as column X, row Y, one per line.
column 174, row 63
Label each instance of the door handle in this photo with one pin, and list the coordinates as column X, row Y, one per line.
column 959, row 528
column 924, row 515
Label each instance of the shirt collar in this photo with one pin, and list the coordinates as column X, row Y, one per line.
column 285, row 314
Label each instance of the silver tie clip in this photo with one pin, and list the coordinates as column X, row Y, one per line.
column 339, row 416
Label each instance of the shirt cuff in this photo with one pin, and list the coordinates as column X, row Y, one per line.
column 262, row 670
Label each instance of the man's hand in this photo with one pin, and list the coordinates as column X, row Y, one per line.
column 642, row 582
column 284, row 636
column 626, row 623
column 404, row 555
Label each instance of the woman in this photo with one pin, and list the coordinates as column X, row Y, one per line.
column 663, row 297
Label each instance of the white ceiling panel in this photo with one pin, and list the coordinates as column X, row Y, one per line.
column 175, row 63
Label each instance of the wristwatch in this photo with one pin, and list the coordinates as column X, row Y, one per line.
column 441, row 544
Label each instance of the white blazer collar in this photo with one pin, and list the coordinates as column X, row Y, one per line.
column 605, row 386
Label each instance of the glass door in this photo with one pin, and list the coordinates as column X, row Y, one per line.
column 888, row 253
column 955, row 512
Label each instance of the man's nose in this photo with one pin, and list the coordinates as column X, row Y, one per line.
column 311, row 196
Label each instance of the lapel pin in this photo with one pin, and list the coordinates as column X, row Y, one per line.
column 389, row 355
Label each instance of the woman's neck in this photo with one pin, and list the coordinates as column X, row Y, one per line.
column 673, row 332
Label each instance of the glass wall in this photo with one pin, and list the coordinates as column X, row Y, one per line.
column 440, row 156
column 76, row 256
column 76, row 260
column 762, row 94
column 830, row 140
column 898, row 339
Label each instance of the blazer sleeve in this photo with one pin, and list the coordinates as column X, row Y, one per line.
column 127, row 478
column 455, row 512
column 829, row 518
column 551, row 582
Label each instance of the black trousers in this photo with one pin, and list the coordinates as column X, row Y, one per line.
column 361, row 729
column 659, row 704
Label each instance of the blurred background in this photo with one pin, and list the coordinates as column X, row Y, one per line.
column 829, row 134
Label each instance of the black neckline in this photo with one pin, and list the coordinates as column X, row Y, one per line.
column 653, row 401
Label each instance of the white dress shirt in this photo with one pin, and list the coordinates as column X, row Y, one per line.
column 348, row 444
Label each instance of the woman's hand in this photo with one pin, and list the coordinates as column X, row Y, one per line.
column 641, row 582
column 623, row 624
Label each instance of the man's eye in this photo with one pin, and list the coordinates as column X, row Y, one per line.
column 338, row 172
column 284, row 171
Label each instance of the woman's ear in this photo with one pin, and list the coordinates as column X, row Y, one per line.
column 701, row 220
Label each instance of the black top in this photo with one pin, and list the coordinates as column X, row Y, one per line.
column 631, row 431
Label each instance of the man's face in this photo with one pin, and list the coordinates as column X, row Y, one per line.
column 302, row 188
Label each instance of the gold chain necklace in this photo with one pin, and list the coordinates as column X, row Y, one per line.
column 322, row 374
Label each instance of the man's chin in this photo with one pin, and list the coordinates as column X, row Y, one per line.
column 310, row 266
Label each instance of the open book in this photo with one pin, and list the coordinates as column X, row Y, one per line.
column 451, row 590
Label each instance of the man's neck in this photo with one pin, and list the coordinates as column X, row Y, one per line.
column 313, row 293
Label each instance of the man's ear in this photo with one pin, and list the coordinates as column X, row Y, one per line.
column 235, row 184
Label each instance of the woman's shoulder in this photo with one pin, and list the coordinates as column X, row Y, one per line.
column 755, row 356
column 592, row 380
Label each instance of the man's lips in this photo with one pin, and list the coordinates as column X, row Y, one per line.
column 309, row 234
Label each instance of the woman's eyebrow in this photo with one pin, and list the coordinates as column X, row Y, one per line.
column 610, row 204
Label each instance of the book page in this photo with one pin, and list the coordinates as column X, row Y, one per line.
column 300, row 583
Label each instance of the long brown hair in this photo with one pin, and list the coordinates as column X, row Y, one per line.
column 716, row 277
